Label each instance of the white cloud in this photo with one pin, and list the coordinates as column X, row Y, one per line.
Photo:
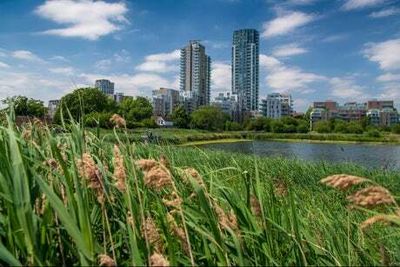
column 86, row 19
column 391, row 91
column 25, row 55
column 4, row 65
column 221, row 77
column 359, row 4
column 136, row 84
column 289, row 50
column 385, row 13
column 286, row 23
column 334, row 38
column 300, row 2
column 161, row 63
column 389, row 77
column 284, row 78
column 103, row 64
column 345, row 88
column 386, row 54
column 63, row 70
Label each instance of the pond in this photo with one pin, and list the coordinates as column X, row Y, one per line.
column 382, row 156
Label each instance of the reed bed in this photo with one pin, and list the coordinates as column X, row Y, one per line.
column 77, row 199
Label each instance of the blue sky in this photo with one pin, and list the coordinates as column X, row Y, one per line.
column 347, row 50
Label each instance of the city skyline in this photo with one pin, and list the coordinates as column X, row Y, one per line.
column 305, row 48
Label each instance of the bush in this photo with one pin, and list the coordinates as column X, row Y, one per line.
column 373, row 133
column 322, row 127
column 303, row 127
column 100, row 119
column 396, row 128
column 259, row 124
column 233, row 126
column 149, row 123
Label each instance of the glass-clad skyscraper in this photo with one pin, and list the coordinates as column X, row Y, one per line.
column 245, row 68
column 195, row 74
column 106, row 86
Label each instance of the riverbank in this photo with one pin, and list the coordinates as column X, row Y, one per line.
column 188, row 136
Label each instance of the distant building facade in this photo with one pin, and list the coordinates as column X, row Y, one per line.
column 228, row 104
column 195, row 75
column 245, row 68
column 164, row 101
column 52, row 107
column 106, row 86
column 382, row 113
column 118, row 97
column 277, row 105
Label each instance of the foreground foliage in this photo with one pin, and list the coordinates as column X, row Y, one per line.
column 77, row 199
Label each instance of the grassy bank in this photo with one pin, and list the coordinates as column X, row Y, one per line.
column 182, row 136
column 76, row 199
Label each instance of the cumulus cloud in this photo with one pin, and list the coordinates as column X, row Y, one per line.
column 385, row 13
column 284, row 78
column 389, row 77
column 345, row 88
column 386, row 54
column 86, row 19
column 4, row 65
column 63, row 70
column 221, row 77
column 160, row 63
column 289, row 50
column 359, row 4
column 286, row 23
column 25, row 55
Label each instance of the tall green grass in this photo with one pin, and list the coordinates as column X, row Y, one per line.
column 50, row 216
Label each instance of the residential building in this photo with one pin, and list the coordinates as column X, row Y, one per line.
column 376, row 104
column 385, row 117
column 52, row 108
column 118, row 97
column 106, row 86
column 352, row 111
column 277, row 105
column 245, row 68
column 164, row 101
column 195, row 74
column 228, row 104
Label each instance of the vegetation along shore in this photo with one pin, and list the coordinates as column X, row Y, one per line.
column 76, row 199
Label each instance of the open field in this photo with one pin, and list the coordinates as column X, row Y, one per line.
column 77, row 199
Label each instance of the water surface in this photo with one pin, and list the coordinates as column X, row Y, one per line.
column 384, row 156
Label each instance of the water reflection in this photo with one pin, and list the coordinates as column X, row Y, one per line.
column 369, row 155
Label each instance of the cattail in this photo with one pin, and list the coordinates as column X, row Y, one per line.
column 255, row 206
column 377, row 218
column 179, row 232
column 226, row 220
column 52, row 163
column 105, row 260
column 191, row 172
column 158, row 260
column 164, row 161
column 119, row 170
column 118, row 121
column 280, row 188
column 342, row 181
column 371, row 196
column 149, row 231
column 88, row 169
column 156, row 176
column 175, row 201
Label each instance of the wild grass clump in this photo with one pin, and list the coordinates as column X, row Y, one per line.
column 76, row 199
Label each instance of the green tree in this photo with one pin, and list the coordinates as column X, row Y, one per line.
column 233, row 126
column 24, row 106
column 396, row 128
column 259, row 124
column 84, row 101
column 136, row 109
column 209, row 118
column 303, row 127
column 180, row 118
column 322, row 127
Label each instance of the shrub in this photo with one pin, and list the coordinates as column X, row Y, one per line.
column 322, row 127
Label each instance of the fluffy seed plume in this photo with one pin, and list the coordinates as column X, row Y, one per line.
column 88, row 169
column 371, row 196
column 280, row 188
column 382, row 218
column 149, row 231
column 342, row 181
column 164, row 161
column 191, row 172
column 226, row 220
column 255, row 206
column 178, row 232
column 105, row 260
column 156, row 176
column 158, row 260
column 119, row 170
column 52, row 163
column 118, row 121
column 174, row 201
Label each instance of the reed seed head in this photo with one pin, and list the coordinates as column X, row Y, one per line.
column 383, row 218
column 158, row 260
column 150, row 231
column 191, row 172
column 164, row 161
column 119, row 170
column 371, row 196
column 88, row 169
column 342, row 181
column 226, row 220
column 156, row 175
column 118, row 121
column 255, row 206
column 146, row 164
column 175, row 201
column 105, row 260
column 52, row 163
